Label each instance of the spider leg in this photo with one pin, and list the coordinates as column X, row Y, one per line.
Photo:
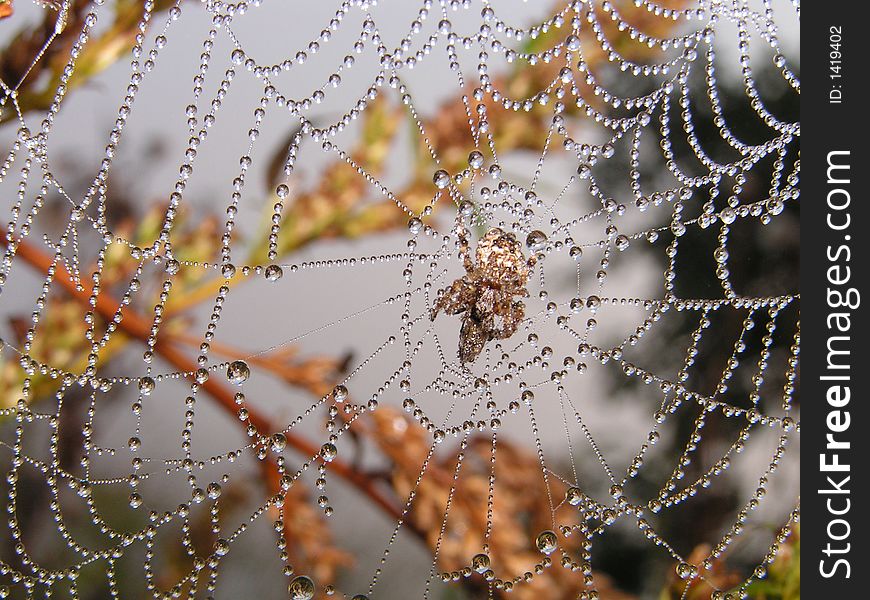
column 511, row 313
column 464, row 248
column 454, row 299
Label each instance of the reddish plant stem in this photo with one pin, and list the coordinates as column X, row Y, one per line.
column 139, row 327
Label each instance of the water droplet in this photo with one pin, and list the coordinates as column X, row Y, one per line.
column 415, row 225
column 547, row 542
column 441, row 179
column 621, row 242
column 339, row 394
column 574, row 496
column 213, row 490
column 279, row 442
column 572, row 42
column 238, row 372
column 201, row 375
column 480, row 563
column 172, row 266
column 221, row 547
column 328, row 452
column 475, row 159
column 273, row 273
column 301, row 588
column 146, row 385
column 536, row 240
column 687, row 571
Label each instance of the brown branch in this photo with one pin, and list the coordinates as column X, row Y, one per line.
column 312, row 374
column 139, row 327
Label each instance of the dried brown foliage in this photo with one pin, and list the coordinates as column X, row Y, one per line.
column 521, row 508
column 5, row 8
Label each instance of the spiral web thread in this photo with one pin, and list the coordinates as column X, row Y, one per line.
column 555, row 345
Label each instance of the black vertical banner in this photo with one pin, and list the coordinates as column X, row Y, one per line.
column 835, row 480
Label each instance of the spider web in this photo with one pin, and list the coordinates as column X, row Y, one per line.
column 635, row 298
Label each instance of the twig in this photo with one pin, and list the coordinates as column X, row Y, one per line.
column 137, row 326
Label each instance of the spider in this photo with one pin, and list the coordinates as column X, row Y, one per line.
column 485, row 294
